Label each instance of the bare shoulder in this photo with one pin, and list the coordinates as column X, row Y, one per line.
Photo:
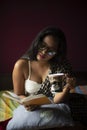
column 21, row 65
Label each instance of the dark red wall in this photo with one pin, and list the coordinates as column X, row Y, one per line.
column 21, row 21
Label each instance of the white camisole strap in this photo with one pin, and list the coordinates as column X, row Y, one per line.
column 29, row 69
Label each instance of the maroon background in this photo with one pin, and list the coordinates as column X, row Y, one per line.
column 21, row 21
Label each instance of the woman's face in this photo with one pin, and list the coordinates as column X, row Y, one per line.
column 47, row 49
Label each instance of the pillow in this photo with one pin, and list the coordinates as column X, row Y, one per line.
column 6, row 107
column 47, row 116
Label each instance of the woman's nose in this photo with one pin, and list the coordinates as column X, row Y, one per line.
column 44, row 51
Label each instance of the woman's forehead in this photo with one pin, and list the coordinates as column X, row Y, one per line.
column 50, row 41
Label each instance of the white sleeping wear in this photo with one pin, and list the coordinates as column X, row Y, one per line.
column 31, row 87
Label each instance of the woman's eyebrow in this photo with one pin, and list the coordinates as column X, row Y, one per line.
column 47, row 45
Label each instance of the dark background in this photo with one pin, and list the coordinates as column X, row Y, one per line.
column 21, row 21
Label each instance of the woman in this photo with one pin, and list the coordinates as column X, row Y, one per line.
column 47, row 55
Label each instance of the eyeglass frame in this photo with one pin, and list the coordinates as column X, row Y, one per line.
column 49, row 52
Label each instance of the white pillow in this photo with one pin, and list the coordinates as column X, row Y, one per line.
column 47, row 116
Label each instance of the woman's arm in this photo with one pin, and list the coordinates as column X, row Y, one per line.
column 61, row 96
column 18, row 77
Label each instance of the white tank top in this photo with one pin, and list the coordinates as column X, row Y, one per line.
column 31, row 87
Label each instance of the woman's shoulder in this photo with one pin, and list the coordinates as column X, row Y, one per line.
column 21, row 64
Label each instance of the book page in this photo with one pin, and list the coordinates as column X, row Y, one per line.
column 30, row 97
column 12, row 96
column 30, row 100
column 37, row 100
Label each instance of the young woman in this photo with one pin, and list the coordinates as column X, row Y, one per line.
column 47, row 55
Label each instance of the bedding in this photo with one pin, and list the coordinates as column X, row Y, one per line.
column 80, row 89
column 46, row 116
column 7, row 106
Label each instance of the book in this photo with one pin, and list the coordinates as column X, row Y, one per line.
column 39, row 99
column 56, row 75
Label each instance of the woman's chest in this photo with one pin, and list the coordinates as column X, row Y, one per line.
column 40, row 73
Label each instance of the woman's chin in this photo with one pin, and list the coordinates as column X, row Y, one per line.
column 39, row 58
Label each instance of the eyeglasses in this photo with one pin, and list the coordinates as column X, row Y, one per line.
column 49, row 52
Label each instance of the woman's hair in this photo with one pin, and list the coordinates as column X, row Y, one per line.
column 60, row 39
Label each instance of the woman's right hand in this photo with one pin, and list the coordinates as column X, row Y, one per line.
column 30, row 107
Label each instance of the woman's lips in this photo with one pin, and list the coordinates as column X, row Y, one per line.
column 42, row 56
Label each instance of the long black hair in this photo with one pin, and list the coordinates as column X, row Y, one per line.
column 58, row 34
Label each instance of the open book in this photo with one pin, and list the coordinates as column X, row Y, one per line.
column 39, row 99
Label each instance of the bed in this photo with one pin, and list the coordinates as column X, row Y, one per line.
column 7, row 113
